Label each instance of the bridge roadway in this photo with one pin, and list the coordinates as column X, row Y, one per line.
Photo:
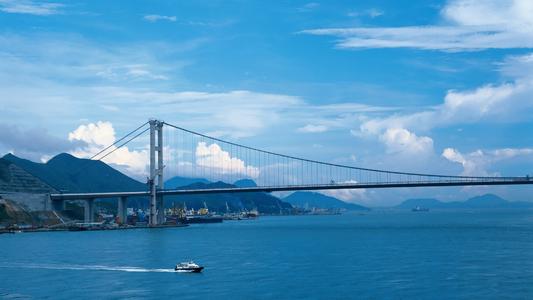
column 268, row 189
column 58, row 200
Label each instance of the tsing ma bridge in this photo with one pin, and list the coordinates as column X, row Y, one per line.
column 192, row 154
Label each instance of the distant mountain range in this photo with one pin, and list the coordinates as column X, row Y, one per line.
column 244, row 183
column 317, row 200
column 263, row 202
column 178, row 181
column 479, row 202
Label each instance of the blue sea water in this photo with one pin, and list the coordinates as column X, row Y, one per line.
column 376, row 255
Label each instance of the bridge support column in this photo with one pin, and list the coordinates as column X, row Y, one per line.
column 89, row 211
column 122, row 210
column 160, row 205
column 156, row 171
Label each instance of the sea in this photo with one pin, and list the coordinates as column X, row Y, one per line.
column 381, row 254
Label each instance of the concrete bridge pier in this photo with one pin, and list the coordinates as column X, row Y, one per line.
column 160, row 210
column 122, row 212
column 89, row 211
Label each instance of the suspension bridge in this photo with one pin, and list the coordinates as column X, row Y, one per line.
column 188, row 153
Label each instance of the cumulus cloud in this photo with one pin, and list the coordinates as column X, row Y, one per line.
column 474, row 166
column 29, row 7
column 402, row 141
column 214, row 157
column 507, row 102
column 100, row 135
column 469, row 25
column 478, row 162
column 310, row 128
column 155, row 18
column 348, row 195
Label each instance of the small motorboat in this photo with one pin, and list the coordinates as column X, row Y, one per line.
column 190, row 267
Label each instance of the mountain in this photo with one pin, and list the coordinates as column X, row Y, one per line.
column 177, row 181
column 263, row 202
column 244, row 183
column 478, row 202
column 15, row 179
column 310, row 199
column 487, row 201
column 43, row 172
column 66, row 173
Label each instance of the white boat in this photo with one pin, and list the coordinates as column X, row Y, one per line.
column 190, row 267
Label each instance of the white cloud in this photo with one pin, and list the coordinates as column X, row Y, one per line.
column 310, row 128
column 478, row 162
column 508, row 102
column 372, row 13
column 133, row 71
column 402, row 141
column 469, row 25
column 348, row 195
column 66, row 77
column 29, row 7
column 214, row 157
column 474, row 166
column 99, row 136
column 155, row 18
column 236, row 113
column 309, row 7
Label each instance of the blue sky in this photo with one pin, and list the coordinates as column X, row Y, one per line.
column 431, row 86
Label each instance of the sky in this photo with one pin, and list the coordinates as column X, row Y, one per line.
column 426, row 86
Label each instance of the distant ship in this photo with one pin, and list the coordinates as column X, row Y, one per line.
column 201, row 216
column 195, row 219
column 189, row 267
column 251, row 214
column 418, row 208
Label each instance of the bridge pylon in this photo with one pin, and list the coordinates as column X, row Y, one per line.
column 155, row 181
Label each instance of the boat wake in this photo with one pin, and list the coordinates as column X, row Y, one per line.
column 88, row 268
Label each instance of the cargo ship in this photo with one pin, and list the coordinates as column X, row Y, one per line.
column 201, row 216
column 198, row 219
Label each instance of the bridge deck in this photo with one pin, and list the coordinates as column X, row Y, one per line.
column 268, row 189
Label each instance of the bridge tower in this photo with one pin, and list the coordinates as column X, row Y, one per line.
column 155, row 181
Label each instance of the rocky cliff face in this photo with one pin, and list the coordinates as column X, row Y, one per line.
column 12, row 212
column 21, row 187
column 14, row 179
